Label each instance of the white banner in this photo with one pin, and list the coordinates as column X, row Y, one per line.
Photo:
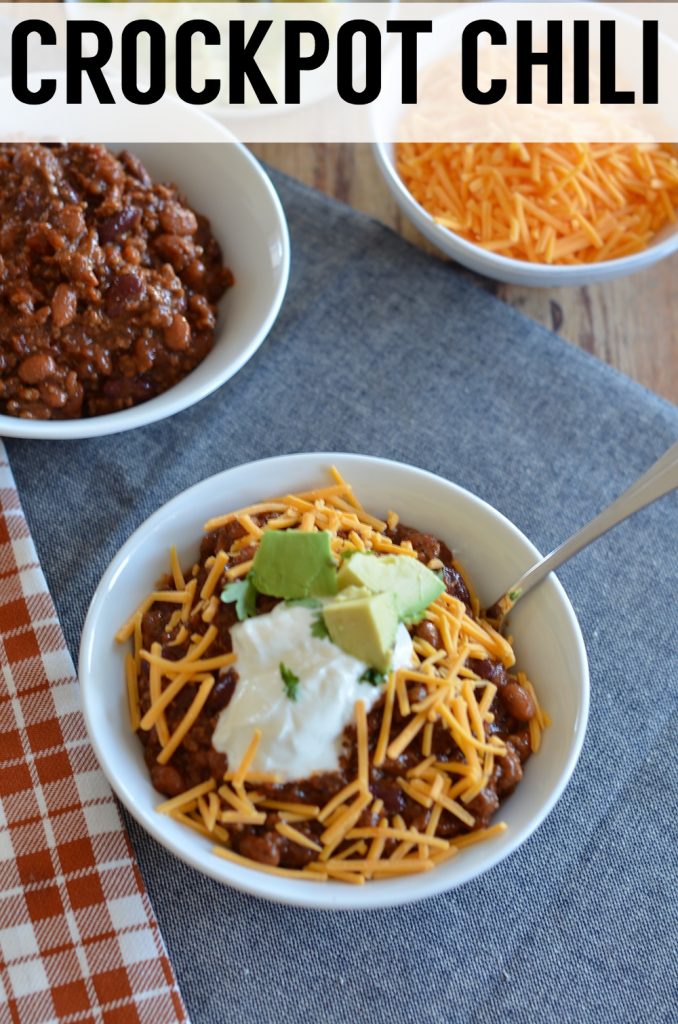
column 339, row 72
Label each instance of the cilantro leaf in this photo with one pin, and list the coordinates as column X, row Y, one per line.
column 318, row 627
column 290, row 681
column 373, row 677
column 244, row 594
column 304, row 602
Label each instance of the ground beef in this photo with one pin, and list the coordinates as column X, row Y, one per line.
column 108, row 282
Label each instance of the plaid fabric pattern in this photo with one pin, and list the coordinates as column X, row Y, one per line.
column 78, row 938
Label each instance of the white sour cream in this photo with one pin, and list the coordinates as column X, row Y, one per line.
column 302, row 736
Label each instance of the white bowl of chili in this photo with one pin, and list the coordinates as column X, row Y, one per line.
column 223, row 182
column 547, row 641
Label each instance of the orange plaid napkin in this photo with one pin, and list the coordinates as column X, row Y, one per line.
column 78, row 938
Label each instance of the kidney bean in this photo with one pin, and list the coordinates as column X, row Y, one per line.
column 204, row 234
column 178, row 334
column 218, row 764
column 416, row 816
column 71, row 220
column 102, row 358
column 177, row 220
column 134, row 388
column 36, row 368
column 167, row 779
column 144, row 351
column 26, row 410
column 521, row 742
column 491, row 670
column 455, row 586
column 440, row 742
column 177, row 250
column 217, row 280
column 517, row 701
column 64, row 305
column 509, row 770
column 221, row 540
column 368, row 819
column 294, row 855
column 392, row 795
column 448, row 826
column 483, row 806
column 29, row 395
column 194, row 275
column 53, row 396
column 244, row 555
column 135, row 167
column 118, row 224
column 426, row 546
column 264, row 848
column 222, row 692
column 127, row 290
column 428, row 631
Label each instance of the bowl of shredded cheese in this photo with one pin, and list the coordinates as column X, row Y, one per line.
column 270, row 794
column 540, row 214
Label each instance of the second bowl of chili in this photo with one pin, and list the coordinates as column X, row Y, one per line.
column 136, row 281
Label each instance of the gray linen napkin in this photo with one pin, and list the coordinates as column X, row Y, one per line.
column 383, row 350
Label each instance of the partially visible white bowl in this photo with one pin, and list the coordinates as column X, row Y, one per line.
column 501, row 268
column 548, row 642
column 222, row 180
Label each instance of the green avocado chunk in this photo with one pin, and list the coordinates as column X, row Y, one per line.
column 363, row 624
column 412, row 585
column 291, row 564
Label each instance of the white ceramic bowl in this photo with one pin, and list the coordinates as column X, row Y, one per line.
column 222, row 180
column 501, row 268
column 547, row 637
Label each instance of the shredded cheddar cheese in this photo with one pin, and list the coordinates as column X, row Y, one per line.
column 132, row 680
column 561, row 203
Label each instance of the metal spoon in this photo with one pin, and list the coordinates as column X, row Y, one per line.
column 660, row 479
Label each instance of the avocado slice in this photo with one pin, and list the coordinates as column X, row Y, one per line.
column 412, row 585
column 292, row 564
column 363, row 624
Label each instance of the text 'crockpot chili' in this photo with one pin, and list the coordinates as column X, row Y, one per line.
column 108, row 282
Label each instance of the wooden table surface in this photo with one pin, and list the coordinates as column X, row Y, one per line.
column 631, row 323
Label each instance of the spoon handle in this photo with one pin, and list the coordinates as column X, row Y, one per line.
column 660, row 478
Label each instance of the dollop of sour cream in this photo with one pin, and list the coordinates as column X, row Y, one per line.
column 301, row 736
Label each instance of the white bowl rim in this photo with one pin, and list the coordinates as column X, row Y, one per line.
column 162, row 406
column 550, row 274
column 330, row 895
